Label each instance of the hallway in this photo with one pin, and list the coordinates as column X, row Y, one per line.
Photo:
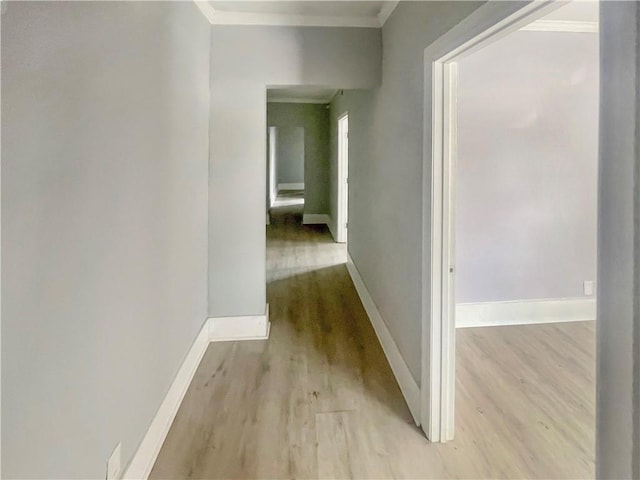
column 318, row 399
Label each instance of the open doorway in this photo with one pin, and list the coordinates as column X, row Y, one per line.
column 285, row 166
column 537, row 187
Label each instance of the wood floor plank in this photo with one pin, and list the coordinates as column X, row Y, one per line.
column 318, row 399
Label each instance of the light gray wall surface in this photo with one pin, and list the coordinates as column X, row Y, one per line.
column 618, row 376
column 105, row 110
column 290, row 154
column 245, row 61
column 527, row 165
column 315, row 120
column 385, row 170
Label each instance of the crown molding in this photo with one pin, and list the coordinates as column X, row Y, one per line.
column 206, row 9
column 386, row 11
column 561, row 26
column 270, row 19
column 319, row 101
column 218, row 17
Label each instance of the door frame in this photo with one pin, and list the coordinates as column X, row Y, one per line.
column 343, row 178
column 487, row 24
column 272, row 139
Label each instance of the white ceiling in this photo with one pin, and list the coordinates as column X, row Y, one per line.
column 300, row 94
column 346, row 13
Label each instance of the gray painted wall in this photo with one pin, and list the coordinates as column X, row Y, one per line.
column 385, row 151
column 104, row 211
column 618, row 377
column 315, row 120
column 245, row 61
column 385, row 170
column 290, row 154
column 526, row 205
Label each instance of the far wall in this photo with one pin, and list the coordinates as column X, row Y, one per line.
column 527, row 168
column 290, row 155
column 245, row 61
column 314, row 118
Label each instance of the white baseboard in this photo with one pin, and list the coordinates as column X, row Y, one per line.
column 290, row 186
column 230, row 329
column 144, row 459
column 332, row 228
column 214, row 330
column 408, row 386
column 524, row 312
column 315, row 219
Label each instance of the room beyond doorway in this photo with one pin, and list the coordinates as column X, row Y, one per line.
column 439, row 334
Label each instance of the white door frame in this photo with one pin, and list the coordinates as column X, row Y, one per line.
column 272, row 139
column 487, row 24
column 343, row 178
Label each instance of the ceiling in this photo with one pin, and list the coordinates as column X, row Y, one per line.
column 300, row 94
column 354, row 13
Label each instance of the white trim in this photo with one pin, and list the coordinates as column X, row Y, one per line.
column 408, row 386
column 491, row 21
column 343, row 178
column 218, row 17
column 140, row 466
column 315, row 219
column 290, row 20
column 213, row 330
column 206, row 9
column 4, row 9
column 318, row 101
column 231, row 329
column 525, row 312
column 290, row 186
column 568, row 26
column 386, row 11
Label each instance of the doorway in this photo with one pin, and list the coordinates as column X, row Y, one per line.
column 343, row 178
column 441, row 151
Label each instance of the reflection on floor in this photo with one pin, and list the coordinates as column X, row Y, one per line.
column 318, row 399
column 289, row 198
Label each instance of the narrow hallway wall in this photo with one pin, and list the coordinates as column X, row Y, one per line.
column 104, row 224
column 385, row 170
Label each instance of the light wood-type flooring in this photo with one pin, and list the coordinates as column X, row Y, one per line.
column 318, row 399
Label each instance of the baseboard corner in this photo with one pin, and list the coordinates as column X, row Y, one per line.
column 332, row 228
column 315, row 219
column 237, row 328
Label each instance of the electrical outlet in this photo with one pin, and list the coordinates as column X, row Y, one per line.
column 114, row 464
column 588, row 287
